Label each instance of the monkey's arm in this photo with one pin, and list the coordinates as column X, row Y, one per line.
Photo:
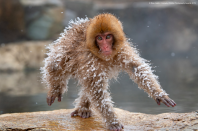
column 140, row 71
column 55, row 74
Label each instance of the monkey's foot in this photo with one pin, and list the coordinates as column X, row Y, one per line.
column 82, row 112
column 116, row 127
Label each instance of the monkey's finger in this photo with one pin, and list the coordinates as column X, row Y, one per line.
column 88, row 115
column 52, row 100
column 84, row 114
column 119, row 128
column 80, row 114
column 110, row 128
column 171, row 102
column 59, row 97
column 49, row 101
column 113, row 128
column 158, row 101
column 174, row 102
column 74, row 113
column 165, row 102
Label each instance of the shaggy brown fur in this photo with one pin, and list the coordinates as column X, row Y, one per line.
column 76, row 55
column 101, row 24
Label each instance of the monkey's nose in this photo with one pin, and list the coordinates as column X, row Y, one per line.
column 106, row 47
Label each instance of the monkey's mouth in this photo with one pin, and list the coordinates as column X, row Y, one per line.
column 106, row 53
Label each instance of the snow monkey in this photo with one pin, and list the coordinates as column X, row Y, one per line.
column 94, row 51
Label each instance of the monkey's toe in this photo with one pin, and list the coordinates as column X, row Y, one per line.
column 74, row 113
column 83, row 113
column 117, row 127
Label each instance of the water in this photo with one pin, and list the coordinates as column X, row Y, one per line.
column 23, row 92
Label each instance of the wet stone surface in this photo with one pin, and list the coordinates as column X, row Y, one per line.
column 61, row 120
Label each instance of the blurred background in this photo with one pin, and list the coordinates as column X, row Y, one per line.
column 165, row 33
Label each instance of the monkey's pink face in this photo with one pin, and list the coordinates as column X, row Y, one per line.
column 105, row 43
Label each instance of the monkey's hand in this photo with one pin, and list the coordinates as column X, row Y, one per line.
column 166, row 100
column 52, row 96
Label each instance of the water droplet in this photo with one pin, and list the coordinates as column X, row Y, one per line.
column 172, row 54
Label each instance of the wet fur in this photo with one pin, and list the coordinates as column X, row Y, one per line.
column 76, row 55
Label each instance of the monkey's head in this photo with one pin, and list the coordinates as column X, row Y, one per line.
column 105, row 36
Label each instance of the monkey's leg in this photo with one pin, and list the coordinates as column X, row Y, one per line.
column 82, row 106
column 101, row 101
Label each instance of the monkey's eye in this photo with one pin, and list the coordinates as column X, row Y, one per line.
column 99, row 38
column 108, row 37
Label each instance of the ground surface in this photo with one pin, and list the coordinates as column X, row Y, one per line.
column 61, row 120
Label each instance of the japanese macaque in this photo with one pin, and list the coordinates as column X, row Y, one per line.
column 94, row 51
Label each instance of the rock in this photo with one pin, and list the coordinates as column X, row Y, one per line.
column 43, row 18
column 12, row 25
column 45, row 23
column 61, row 120
column 41, row 2
column 21, row 83
column 22, row 55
